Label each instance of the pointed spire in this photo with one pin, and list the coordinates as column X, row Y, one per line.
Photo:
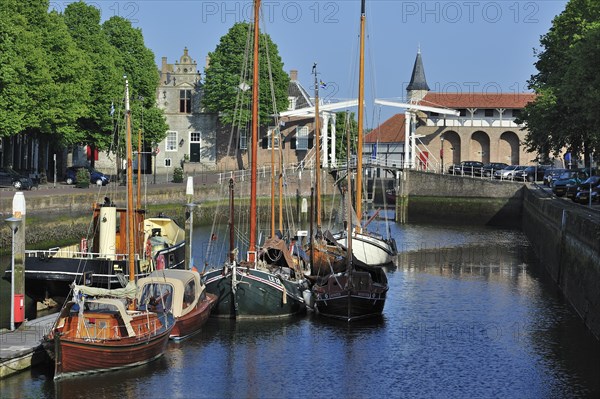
column 417, row 80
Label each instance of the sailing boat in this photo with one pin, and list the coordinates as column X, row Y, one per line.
column 268, row 283
column 368, row 248
column 360, row 291
column 95, row 332
column 326, row 255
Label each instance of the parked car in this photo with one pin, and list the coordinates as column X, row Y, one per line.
column 10, row 177
column 582, row 195
column 466, row 168
column 531, row 173
column 96, row 177
column 489, row 169
column 551, row 174
column 569, row 180
column 515, row 173
column 505, row 173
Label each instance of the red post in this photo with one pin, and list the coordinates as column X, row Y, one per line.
column 19, row 308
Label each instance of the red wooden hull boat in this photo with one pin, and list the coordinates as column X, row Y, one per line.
column 106, row 338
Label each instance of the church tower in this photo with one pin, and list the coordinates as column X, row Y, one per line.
column 417, row 88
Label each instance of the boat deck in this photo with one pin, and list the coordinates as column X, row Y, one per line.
column 21, row 348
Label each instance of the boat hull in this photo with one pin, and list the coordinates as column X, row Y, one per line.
column 190, row 324
column 48, row 276
column 256, row 294
column 75, row 356
column 361, row 299
column 369, row 249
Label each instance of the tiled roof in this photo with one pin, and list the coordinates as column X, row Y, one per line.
column 477, row 100
column 390, row 131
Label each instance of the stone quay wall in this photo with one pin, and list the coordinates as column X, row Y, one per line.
column 455, row 199
column 566, row 239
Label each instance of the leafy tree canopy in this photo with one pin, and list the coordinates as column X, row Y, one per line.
column 564, row 113
column 228, row 78
column 137, row 63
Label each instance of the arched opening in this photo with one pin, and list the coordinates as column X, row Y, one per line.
column 480, row 147
column 508, row 148
column 450, row 147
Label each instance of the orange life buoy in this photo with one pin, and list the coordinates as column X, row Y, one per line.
column 160, row 262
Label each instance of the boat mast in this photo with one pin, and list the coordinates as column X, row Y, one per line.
column 317, row 152
column 272, row 133
column 254, row 141
column 231, row 221
column 129, row 171
column 139, row 175
column 361, row 99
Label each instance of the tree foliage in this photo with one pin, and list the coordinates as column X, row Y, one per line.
column 41, row 72
column 230, row 70
column 60, row 74
column 137, row 63
column 564, row 113
column 345, row 123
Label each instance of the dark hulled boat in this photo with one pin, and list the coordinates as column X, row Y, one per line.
column 360, row 291
column 101, row 260
column 268, row 283
column 354, row 295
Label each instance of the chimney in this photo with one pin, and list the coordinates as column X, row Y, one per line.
column 294, row 75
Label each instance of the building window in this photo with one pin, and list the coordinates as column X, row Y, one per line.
column 171, row 141
column 291, row 103
column 185, row 101
column 489, row 113
column 243, row 134
column 516, row 113
column 167, row 162
column 273, row 133
column 302, row 137
column 194, row 137
column 434, row 114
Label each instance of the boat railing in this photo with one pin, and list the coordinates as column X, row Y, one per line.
column 58, row 252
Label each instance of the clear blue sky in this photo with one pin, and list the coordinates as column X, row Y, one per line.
column 466, row 45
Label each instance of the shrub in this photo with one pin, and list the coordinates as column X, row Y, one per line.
column 83, row 177
column 178, row 175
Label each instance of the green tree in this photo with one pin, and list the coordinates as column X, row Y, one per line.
column 230, row 69
column 42, row 74
column 137, row 63
column 106, row 89
column 345, row 123
column 566, row 84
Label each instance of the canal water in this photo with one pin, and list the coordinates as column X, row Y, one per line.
column 470, row 314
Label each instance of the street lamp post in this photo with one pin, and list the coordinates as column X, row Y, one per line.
column 13, row 223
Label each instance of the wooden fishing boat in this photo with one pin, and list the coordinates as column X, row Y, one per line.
column 256, row 287
column 360, row 291
column 100, row 334
column 270, row 287
column 185, row 297
column 95, row 332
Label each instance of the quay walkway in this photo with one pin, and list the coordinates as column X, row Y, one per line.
column 20, row 349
